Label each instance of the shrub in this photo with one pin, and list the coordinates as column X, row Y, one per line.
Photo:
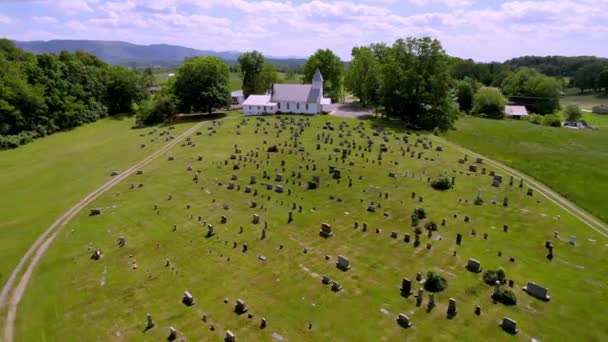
column 552, row 120
column 572, row 112
column 506, row 296
column 535, row 119
column 441, row 183
column 435, row 282
column 420, row 213
column 489, row 102
column 491, row 276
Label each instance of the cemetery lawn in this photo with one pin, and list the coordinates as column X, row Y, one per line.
column 571, row 162
column 72, row 295
column 41, row 180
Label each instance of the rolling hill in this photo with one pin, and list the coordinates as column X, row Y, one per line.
column 123, row 53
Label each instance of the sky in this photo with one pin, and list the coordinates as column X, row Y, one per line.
column 485, row 30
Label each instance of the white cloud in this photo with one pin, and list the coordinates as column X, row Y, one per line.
column 6, row 20
column 45, row 20
column 466, row 28
column 444, row 3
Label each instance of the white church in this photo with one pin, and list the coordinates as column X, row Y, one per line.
column 289, row 98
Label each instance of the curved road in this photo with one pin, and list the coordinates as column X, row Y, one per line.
column 45, row 240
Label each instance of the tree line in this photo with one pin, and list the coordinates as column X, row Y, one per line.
column 45, row 93
column 413, row 80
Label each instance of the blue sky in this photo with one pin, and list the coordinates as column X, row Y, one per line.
column 483, row 30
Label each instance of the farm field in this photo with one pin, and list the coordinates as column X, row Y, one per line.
column 571, row 162
column 278, row 274
column 48, row 176
column 585, row 101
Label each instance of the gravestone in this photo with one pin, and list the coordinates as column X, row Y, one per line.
column 404, row 321
column 406, row 238
column 452, row 311
column 458, row 239
column 95, row 211
column 230, row 336
column 325, row 230
column 335, row 286
column 474, row 265
column 326, row 280
column 210, row 230
column 509, row 325
column 240, row 307
column 172, row 334
column 537, row 291
column 343, row 263
column 150, row 323
column 279, row 189
column 256, row 219
column 406, row 287
column 188, row 300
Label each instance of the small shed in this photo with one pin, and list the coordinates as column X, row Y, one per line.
column 516, row 112
column 237, row 97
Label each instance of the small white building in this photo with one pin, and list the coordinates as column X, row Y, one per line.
column 516, row 112
column 289, row 98
column 237, row 97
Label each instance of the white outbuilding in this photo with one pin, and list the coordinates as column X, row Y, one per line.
column 516, row 112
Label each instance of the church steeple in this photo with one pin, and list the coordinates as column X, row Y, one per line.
column 317, row 80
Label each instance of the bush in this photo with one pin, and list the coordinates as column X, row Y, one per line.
column 506, row 296
column 535, row 119
column 435, row 282
column 491, row 276
column 572, row 112
column 420, row 213
column 489, row 102
column 552, row 120
column 441, row 183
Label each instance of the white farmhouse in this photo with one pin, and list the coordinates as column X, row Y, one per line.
column 289, row 98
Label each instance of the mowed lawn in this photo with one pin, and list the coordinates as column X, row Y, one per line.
column 72, row 295
column 41, row 180
column 573, row 163
column 586, row 101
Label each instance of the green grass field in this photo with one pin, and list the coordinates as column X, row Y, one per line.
column 571, row 162
column 585, row 101
column 72, row 295
column 40, row 180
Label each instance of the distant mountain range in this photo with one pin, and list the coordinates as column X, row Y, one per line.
column 162, row 55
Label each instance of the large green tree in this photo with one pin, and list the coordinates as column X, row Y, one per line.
column 201, row 83
column 415, row 83
column 251, row 64
column 602, row 82
column 124, row 89
column 266, row 78
column 587, row 77
column 331, row 68
column 362, row 76
column 464, row 94
column 489, row 102
column 539, row 93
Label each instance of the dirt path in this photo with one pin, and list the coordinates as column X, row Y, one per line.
column 44, row 241
column 551, row 195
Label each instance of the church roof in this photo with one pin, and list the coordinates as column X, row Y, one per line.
column 291, row 93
